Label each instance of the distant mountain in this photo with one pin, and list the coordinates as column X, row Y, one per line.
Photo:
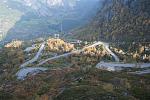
column 119, row 20
column 28, row 19
column 51, row 3
column 44, row 7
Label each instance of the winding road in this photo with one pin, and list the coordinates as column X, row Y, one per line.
column 56, row 57
column 106, row 45
column 22, row 73
column 28, row 49
column 117, row 66
column 35, row 58
column 110, row 66
column 141, row 72
column 110, row 52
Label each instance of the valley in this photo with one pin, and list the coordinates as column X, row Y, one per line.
column 28, row 19
column 74, row 50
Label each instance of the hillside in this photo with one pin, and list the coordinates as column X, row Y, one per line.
column 72, row 77
column 119, row 20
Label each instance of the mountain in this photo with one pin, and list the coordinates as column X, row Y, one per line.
column 51, row 3
column 27, row 19
column 44, row 7
column 119, row 20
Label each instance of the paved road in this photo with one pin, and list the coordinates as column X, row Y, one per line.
column 141, row 72
column 56, row 57
column 116, row 66
column 78, row 51
column 106, row 46
column 22, row 73
column 35, row 58
column 110, row 52
column 28, row 49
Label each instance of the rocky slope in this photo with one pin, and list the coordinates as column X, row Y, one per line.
column 119, row 20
